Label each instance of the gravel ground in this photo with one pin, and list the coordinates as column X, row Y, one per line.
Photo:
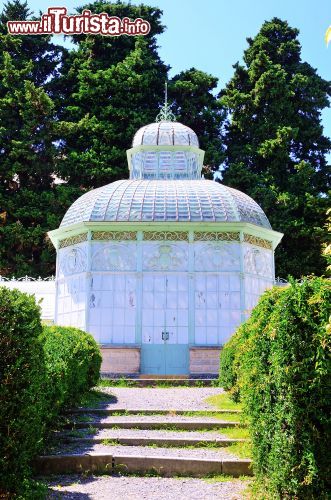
column 75, row 487
column 171, row 419
column 153, row 433
column 144, row 451
column 170, row 398
column 144, row 488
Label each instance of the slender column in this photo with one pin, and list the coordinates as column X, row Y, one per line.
column 191, row 290
column 242, row 279
column 273, row 264
column 57, row 282
column 88, row 281
column 139, row 287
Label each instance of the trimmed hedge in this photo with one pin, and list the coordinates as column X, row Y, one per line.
column 42, row 370
column 73, row 360
column 281, row 368
column 22, row 378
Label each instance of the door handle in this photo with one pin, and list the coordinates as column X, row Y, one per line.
column 165, row 335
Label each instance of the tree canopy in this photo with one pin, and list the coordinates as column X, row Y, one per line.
column 275, row 147
column 70, row 114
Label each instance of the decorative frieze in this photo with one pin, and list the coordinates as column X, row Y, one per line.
column 73, row 240
column 216, row 236
column 259, row 242
column 166, row 235
column 114, row 235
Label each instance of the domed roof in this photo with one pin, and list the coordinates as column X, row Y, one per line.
column 165, row 201
column 165, row 133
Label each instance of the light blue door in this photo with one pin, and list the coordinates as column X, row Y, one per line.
column 164, row 349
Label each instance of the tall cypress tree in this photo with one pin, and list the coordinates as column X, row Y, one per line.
column 195, row 104
column 106, row 109
column 30, row 202
column 275, row 143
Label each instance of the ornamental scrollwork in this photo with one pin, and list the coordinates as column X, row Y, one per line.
column 73, row 240
column 114, row 235
column 217, row 256
column 258, row 262
column 165, row 257
column 114, row 257
column 259, row 242
column 165, row 235
column 27, row 278
column 216, row 236
column 73, row 261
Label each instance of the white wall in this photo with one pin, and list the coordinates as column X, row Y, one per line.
column 43, row 291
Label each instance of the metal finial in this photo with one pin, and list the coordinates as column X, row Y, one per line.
column 165, row 114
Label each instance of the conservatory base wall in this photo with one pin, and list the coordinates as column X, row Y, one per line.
column 204, row 360
column 121, row 360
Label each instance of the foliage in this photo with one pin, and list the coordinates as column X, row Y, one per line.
column 30, row 204
column 22, row 376
column 275, row 143
column 327, row 246
column 283, row 375
column 97, row 130
column 230, row 357
column 195, row 105
column 73, row 360
column 41, row 371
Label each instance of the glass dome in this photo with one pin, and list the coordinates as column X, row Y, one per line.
column 160, row 200
column 165, row 133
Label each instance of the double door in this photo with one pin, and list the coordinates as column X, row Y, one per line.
column 165, row 319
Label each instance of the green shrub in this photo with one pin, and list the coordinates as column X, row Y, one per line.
column 284, row 381
column 230, row 357
column 73, row 360
column 42, row 370
column 22, row 377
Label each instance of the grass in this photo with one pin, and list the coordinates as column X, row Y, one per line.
column 232, row 417
column 109, row 442
column 235, row 432
column 241, row 450
column 159, row 384
column 223, row 402
column 121, row 382
column 224, row 478
column 95, row 397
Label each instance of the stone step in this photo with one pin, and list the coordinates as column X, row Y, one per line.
column 148, row 411
column 150, row 441
column 155, row 381
column 152, row 424
column 142, row 465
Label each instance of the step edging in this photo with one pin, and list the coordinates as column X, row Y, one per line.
column 163, row 466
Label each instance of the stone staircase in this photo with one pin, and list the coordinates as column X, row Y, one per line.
column 145, row 442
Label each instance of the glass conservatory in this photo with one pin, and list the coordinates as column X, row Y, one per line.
column 161, row 268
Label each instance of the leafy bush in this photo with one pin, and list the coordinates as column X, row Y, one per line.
column 73, row 360
column 283, row 370
column 22, row 378
column 42, row 370
column 230, row 357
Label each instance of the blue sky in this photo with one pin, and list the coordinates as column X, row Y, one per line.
column 211, row 34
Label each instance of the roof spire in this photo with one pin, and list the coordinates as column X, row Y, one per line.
column 165, row 114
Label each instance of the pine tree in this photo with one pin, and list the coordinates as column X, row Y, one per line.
column 275, row 143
